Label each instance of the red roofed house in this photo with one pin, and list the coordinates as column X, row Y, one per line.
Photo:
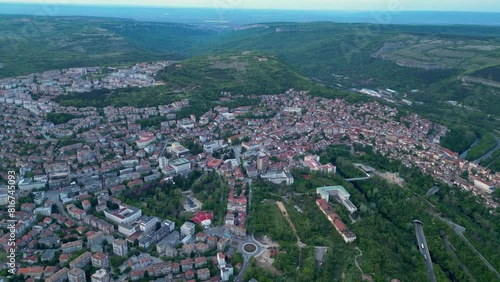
column 35, row 272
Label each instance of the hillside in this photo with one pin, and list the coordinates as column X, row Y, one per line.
column 403, row 58
column 202, row 79
column 31, row 44
column 450, row 71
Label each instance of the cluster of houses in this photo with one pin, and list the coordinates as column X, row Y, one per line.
column 283, row 132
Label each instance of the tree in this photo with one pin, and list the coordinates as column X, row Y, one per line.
column 237, row 258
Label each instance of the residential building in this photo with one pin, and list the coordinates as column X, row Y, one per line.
column 188, row 228
column 225, row 273
column 72, row 246
column 34, row 271
column 76, row 275
column 101, row 275
column 59, row 276
column 203, row 274
column 221, row 259
column 100, row 260
column 81, row 261
column 120, row 247
column 186, row 264
column 222, row 243
column 48, row 255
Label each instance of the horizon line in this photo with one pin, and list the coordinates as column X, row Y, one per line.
column 235, row 8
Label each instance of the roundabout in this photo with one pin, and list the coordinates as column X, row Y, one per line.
column 249, row 248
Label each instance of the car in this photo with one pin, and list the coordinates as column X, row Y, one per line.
column 425, row 257
column 422, row 245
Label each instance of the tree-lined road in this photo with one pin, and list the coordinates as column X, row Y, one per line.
column 422, row 245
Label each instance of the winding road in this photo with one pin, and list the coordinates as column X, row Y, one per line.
column 490, row 152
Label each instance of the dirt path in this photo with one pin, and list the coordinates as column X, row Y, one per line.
column 285, row 213
column 356, row 260
column 299, row 243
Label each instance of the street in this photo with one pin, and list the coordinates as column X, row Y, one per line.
column 422, row 245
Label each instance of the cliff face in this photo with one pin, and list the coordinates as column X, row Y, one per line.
column 483, row 81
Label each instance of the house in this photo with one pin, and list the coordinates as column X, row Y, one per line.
column 49, row 271
column 201, row 247
column 48, row 255
column 203, row 274
column 35, row 272
column 163, row 268
column 186, row 264
column 201, row 237
column 189, row 275
column 31, row 259
column 64, row 258
column 175, row 267
column 188, row 249
column 200, row 262
column 137, row 274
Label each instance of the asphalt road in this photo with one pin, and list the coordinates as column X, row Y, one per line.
column 490, row 152
column 422, row 245
column 260, row 248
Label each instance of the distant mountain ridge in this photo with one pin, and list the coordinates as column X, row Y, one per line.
column 234, row 17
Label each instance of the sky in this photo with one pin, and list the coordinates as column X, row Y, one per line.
column 378, row 5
